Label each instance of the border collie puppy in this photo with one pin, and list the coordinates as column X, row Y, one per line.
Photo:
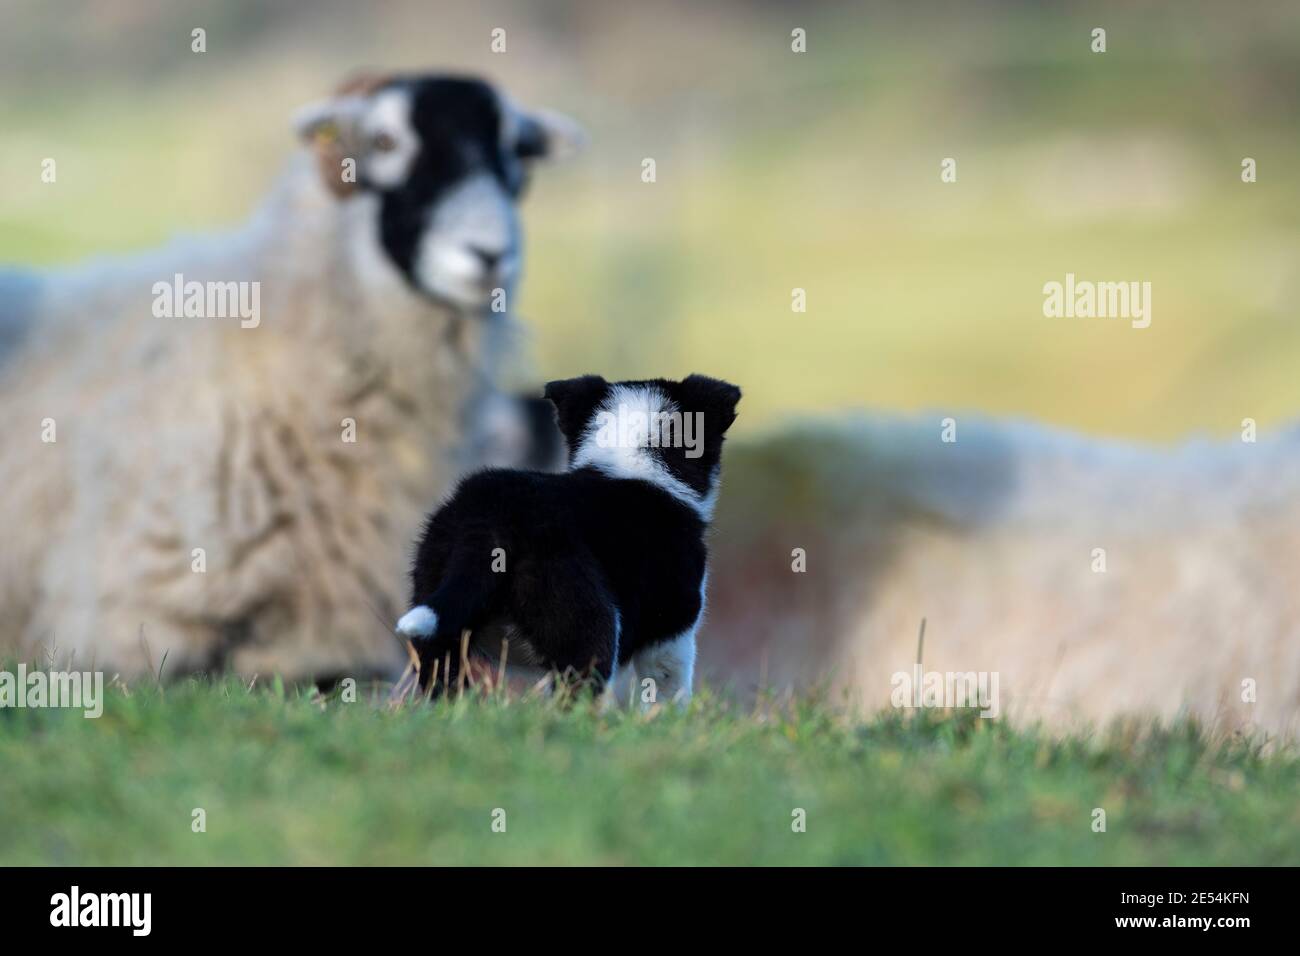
column 598, row 571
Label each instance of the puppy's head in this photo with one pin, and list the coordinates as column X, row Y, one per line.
column 665, row 432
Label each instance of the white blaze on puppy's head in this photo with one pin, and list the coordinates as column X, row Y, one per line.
column 664, row 432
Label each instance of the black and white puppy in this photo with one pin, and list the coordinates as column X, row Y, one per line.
column 600, row 570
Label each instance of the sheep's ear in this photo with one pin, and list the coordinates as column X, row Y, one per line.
column 545, row 134
column 331, row 116
column 313, row 118
column 712, row 396
column 575, row 401
column 329, row 129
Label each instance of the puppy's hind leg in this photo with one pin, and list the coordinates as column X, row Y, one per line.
column 569, row 617
column 588, row 655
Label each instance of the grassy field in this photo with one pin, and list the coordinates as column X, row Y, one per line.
column 291, row 778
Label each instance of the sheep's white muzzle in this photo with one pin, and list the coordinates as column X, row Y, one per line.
column 469, row 254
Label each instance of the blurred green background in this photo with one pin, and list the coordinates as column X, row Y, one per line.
column 775, row 170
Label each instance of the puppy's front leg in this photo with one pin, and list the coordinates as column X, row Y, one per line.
column 670, row 665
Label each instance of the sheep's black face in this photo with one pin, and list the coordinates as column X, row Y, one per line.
column 445, row 160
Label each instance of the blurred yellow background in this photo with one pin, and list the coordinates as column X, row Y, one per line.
column 775, row 170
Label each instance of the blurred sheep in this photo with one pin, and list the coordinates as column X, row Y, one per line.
column 994, row 539
column 240, row 488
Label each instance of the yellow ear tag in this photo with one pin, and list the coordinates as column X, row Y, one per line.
column 327, row 133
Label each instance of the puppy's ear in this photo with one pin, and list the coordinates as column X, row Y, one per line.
column 575, row 402
column 712, row 396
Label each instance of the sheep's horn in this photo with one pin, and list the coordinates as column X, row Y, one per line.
column 363, row 83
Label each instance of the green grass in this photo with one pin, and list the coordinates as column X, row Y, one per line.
column 292, row 778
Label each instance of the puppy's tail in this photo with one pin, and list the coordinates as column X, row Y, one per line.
column 461, row 602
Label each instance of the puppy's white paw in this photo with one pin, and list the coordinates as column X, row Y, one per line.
column 419, row 621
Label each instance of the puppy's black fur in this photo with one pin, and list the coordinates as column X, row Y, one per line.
column 584, row 570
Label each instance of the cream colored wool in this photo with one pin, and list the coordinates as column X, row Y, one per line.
column 177, row 434
column 992, row 539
